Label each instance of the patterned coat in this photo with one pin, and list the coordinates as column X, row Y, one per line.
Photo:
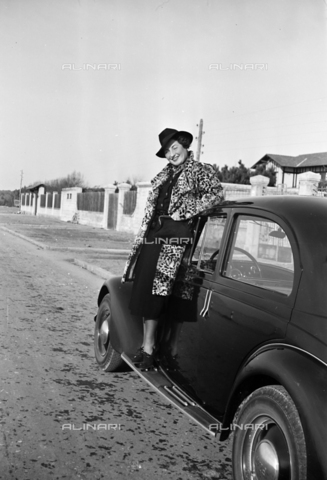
column 196, row 189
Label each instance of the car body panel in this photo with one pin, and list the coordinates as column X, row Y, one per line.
column 249, row 315
column 238, row 335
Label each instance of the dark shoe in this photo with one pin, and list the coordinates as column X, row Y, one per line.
column 147, row 362
column 169, row 361
column 138, row 356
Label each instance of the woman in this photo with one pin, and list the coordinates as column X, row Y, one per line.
column 180, row 191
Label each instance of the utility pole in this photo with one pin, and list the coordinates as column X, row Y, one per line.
column 20, row 190
column 199, row 139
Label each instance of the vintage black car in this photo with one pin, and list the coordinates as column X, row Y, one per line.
column 252, row 337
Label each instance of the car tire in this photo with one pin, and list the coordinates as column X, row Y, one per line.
column 269, row 441
column 108, row 359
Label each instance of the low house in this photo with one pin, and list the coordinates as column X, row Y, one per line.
column 31, row 197
column 288, row 168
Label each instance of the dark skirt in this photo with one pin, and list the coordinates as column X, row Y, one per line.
column 143, row 302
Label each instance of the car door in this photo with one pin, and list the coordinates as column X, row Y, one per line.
column 245, row 275
column 189, row 310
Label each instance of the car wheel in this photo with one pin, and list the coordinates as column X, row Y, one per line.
column 108, row 359
column 269, row 442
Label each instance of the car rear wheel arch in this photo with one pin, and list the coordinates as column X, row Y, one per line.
column 254, row 373
column 244, row 389
column 304, row 377
column 277, row 364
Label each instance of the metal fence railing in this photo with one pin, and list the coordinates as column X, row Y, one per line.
column 233, row 191
column 49, row 201
column 57, row 200
column 235, row 194
column 322, row 192
column 130, row 199
column 236, row 191
column 90, row 201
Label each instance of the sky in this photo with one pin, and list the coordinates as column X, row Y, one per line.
column 88, row 85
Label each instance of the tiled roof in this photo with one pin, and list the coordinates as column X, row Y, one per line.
column 306, row 160
column 35, row 186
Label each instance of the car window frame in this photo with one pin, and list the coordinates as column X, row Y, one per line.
column 204, row 231
column 249, row 288
column 203, row 222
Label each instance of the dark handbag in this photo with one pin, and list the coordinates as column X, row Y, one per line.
column 174, row 229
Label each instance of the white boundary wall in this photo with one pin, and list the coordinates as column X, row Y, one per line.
column 131, row 223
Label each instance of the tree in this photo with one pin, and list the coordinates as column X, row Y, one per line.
column 241, row 174
column 74, row 179
column 132, row 182
column 6, row 198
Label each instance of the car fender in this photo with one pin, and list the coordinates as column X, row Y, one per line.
column 304, row 376
column 126, row 330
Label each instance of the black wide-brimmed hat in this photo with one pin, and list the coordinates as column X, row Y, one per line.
column 170, row 134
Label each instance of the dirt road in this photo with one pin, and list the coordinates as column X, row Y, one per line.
column 60, row 416
column 95, row 246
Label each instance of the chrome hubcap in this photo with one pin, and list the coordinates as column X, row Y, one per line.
column 266, row 462
column 103, row 333
column 265, row 451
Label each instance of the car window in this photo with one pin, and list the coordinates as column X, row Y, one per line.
column 207, row 250
column 261, row 255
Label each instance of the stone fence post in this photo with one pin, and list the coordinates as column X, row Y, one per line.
column 308, row 183
column 46, row 199
column 110, row 188
column 258, row 185
column 41, row 191
column 143, row 189
column 53, row 199
column 123, row 187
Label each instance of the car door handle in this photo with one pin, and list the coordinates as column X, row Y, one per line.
column 206, row 304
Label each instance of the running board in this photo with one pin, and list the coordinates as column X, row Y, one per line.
column 177, row 397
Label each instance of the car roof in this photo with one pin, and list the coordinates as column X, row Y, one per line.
column 301, row 212
column 290, row 203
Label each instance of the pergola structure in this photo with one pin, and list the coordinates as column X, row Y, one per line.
column 313, row 162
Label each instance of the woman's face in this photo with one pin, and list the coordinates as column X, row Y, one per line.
column 175, row 153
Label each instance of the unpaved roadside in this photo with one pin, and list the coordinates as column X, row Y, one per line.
column 105, row 249
column 61, row 417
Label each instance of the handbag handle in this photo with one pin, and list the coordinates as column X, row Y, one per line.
column 164, row 216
